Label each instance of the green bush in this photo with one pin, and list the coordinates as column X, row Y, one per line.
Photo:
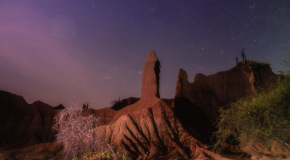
column 263, row 117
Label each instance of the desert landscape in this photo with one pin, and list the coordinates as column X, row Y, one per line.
column 143, row 128
column 144, row 80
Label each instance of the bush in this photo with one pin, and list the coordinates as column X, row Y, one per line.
column 105, row 155
column 263, row 117
column 77, row 133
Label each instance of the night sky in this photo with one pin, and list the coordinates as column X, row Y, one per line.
column 74, row 51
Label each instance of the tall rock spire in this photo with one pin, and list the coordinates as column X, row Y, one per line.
column 150, row 77
column 181, row 84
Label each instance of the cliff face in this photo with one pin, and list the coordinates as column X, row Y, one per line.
column 218, row 90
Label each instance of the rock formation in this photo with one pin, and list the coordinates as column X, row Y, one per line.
column 150, row 78
column 182, row 84
column 147, row 129
column 59, row 107
column 23, row 124
column 218, row 90
column 151, row 128
column 124, row 102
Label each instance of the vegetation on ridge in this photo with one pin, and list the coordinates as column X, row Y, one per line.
column 263, row 117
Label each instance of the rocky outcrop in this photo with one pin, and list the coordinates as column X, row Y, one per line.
column 23, row 124
column 106, row 115
column 124, row 102
column 182, row 84
column 149, row 129
column 150, row 78
column 59, row 107
column 154, row 132
column 218, row 90
column 188, row 113
column 150, row 87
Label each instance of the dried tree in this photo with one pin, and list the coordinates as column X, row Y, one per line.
column 78, row 134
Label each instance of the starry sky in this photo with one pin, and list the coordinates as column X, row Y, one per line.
column 73, row 51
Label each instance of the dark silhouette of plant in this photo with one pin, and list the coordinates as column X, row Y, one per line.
column 114, row 102
column 243, row 54
column 86, row 105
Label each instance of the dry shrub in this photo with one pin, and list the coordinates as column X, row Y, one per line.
column 78, row 134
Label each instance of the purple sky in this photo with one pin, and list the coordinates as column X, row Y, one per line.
column 72, row 51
